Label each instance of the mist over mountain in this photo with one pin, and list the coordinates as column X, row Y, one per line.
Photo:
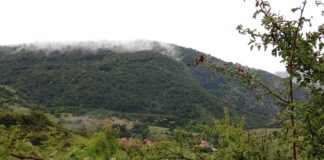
column 93, row 46
column 132, row 79
column 282, row 74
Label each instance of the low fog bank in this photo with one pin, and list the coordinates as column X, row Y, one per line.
column 92, row 46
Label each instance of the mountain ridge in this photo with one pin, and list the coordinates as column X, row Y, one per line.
column 153, row 80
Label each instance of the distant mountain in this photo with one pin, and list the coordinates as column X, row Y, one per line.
column 282, row 74
column 136, row 78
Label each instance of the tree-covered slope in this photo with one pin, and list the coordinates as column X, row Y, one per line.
column 241, row 99
column 80, row 79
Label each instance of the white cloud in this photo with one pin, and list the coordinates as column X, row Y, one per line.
column 206, row 25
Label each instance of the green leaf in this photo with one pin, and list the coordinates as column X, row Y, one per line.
column 239, row 27
column 295, row 9
column 321, row 45
column 251, row 41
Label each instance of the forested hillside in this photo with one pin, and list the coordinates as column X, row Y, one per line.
column 153, row 100
column 155, row 82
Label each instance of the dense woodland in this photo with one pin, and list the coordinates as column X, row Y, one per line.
column 80, row 80
column 82, row 103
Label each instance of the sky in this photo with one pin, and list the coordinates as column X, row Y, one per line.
column 205, row 25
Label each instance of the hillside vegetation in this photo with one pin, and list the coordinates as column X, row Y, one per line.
column 130, row 84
